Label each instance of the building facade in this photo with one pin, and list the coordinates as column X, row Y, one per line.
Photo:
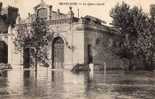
column 8, row 17
column 75, row 40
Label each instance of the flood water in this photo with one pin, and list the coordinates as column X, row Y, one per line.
column 63, row 84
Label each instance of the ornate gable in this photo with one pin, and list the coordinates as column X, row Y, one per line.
column 41, row 5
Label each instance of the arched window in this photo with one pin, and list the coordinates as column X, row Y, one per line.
column 42, row 13
column 3, row 52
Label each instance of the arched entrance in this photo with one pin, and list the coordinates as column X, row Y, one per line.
column 3, row 52
column 28, row 59
column 57, row 53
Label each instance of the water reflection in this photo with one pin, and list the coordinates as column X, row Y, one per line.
column 53, row 74
column 26, row 74
column 62, row 84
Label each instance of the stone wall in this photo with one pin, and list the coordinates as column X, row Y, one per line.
column 102, row 42
column 73, row 43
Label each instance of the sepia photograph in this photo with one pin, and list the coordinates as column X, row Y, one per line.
column 77, row 49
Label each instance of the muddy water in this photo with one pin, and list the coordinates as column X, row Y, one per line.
column 63, row 84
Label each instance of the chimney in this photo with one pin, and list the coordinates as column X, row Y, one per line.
column 78, row 13
column 12, row 15
column 71, row 13
column 50, row 11
column 70, row 8
column 58, row 10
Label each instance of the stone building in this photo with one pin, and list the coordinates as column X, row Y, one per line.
column 8, row 17
column 76, row 40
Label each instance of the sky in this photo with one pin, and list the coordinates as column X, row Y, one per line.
column 101, row 11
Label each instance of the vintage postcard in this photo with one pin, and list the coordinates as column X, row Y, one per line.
column 77, row 49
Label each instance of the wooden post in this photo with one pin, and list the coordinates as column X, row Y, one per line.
column 105, row 67
column 91, row 73
column 36, row 60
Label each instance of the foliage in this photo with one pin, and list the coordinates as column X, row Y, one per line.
column 35, row 36
column 137, row 32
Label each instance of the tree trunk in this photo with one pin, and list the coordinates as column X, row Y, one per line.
column 36, row 61
column 150, row 62
column 130, row 65
column 152, row 55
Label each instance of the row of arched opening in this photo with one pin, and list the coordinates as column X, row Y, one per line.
column 57, row 54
